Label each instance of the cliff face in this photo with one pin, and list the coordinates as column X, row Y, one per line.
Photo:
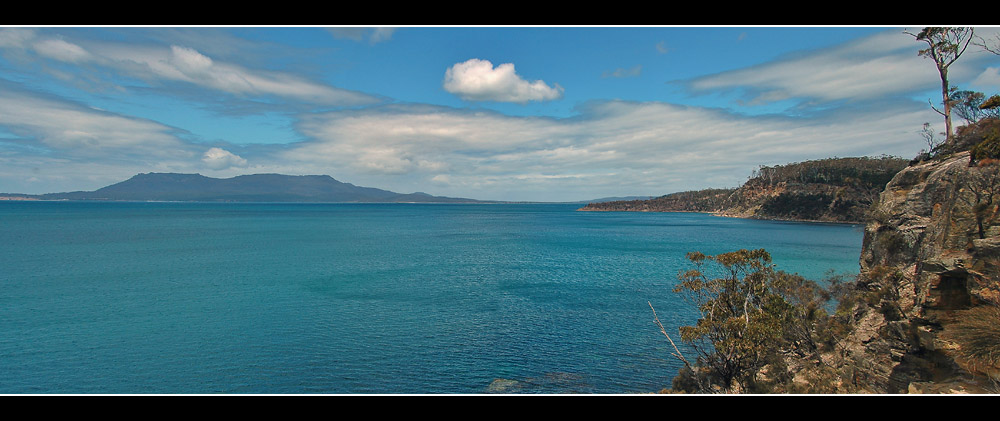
column 931, row 253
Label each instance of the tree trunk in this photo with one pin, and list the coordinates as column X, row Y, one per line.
column 947, row 104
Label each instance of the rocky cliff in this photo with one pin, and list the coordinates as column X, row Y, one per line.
column 930, row 265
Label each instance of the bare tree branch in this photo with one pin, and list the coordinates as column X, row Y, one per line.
column 677, row 352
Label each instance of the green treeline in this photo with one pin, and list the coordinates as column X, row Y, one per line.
column 862, row 172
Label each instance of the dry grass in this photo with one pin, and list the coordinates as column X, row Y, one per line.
column 977, row 332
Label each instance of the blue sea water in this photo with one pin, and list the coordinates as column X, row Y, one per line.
column 360, row 298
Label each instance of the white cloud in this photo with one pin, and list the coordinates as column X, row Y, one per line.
column 178, row 63
column 221, row 159
column 989, row 78
column 61, row 50
column 188, row 65
column 611, row 148
column 15, row 37
column 874, row 67
column 84, row 131
column 478, row 80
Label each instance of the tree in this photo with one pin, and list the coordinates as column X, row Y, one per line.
column 750, row 316
column 944, row 45
column 991, row 107
column 967, row 105
column 928, row 134
column 992, row 46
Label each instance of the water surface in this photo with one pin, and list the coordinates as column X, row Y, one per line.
column 359, row 298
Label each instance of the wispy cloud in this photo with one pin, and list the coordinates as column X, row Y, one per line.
column 882, row 65
column 622, row 72
column 373, row 35
column 179, row 63
column 77, row 130
column 650, row 148
column 478, row 80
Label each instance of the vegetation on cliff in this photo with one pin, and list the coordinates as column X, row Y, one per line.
column 708, row 200
column 923, row 316
column 757, row 326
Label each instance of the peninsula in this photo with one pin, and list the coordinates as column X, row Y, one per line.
column 827, row 190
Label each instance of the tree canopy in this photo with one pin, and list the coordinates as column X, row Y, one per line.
column 751, row 314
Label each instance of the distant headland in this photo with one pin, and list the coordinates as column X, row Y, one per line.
column 827, row 190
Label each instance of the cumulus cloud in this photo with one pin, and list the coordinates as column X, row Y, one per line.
column 221, row 159
column 478, row 80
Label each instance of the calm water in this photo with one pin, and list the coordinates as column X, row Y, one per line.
column 359, row 298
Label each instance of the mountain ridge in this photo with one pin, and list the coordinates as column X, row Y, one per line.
column 270, row 187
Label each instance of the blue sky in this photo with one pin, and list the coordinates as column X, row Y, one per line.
column 498, row 113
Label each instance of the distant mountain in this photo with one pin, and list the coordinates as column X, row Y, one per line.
column 831, row 190
column 244, row 188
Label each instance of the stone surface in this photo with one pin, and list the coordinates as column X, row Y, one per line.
column 927, row 254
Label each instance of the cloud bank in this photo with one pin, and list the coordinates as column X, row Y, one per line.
column 612, row 146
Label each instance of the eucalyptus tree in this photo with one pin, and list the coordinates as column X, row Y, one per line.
column 944, row 46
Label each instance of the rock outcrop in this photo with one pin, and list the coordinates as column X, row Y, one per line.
column 931, row 253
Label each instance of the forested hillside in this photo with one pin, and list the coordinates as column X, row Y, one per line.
column 834, row 190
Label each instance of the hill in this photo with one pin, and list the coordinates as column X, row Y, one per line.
column 244, row 188
column 830, row 190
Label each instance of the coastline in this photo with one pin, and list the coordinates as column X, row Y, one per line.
column 729, row 215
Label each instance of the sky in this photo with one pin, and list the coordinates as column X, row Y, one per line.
column 490, row 113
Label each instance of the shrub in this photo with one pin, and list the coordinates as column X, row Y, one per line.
column 989, row 148
column 751, row 317
column 977, row 332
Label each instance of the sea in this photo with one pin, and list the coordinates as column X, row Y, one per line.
column 278, row 298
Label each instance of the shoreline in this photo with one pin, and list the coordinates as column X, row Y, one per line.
column 728, row 215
